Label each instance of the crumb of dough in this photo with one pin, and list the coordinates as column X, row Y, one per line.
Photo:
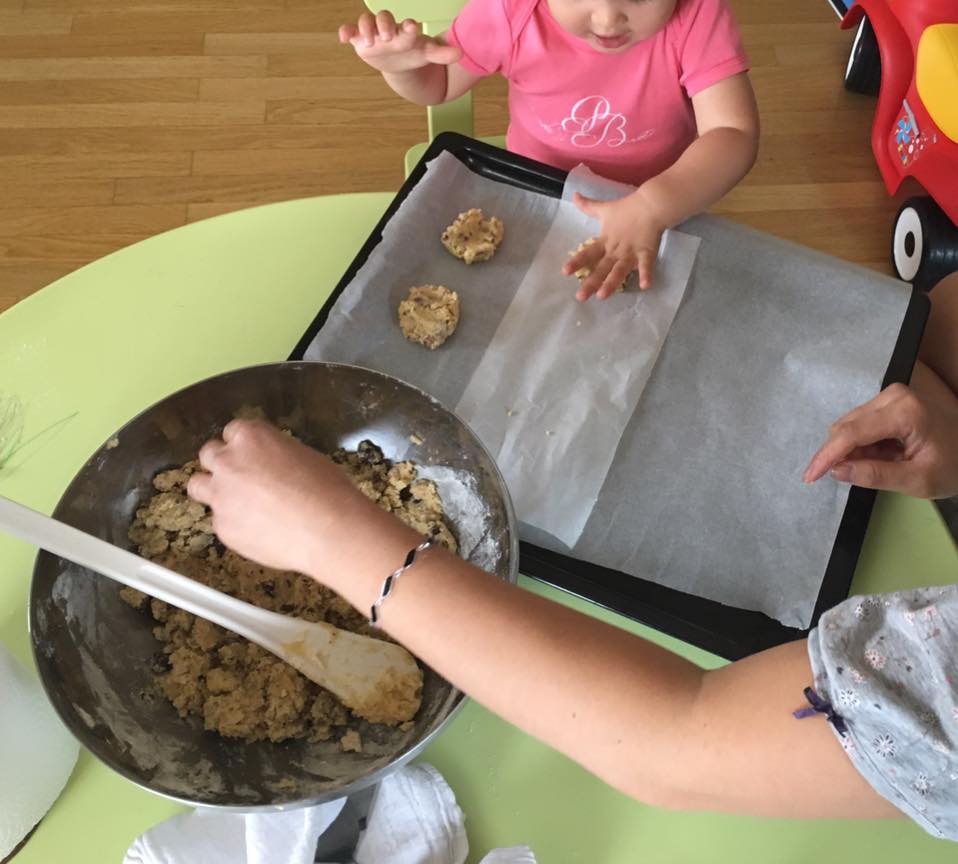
column 415, row 439
column 473, row 237
column 113, row 443
column 239, row 689
column 351, row 742
column 429, row 315
column 583, row 272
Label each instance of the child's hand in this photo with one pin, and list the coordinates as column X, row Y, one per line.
column 629, row 240
column 395, row 48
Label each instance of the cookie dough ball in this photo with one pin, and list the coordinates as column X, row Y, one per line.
column 429, row 315
column 584, row 272
column 473, row 237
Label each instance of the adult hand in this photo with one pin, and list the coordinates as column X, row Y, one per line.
column 279, row 502
column 903, row 440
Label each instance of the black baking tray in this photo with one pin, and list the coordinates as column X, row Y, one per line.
column 724, row 630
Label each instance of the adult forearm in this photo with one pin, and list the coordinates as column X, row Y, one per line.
column 607, row 699
column 939, row 348
column 708, row 168
column 423, row 86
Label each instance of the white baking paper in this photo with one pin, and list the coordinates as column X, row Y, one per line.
column 772, row 342
column 559, row 381
column 548, row 384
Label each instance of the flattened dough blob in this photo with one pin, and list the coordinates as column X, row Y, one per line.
column 429, row 315
column 473, row 237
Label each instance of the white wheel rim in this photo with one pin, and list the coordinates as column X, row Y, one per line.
column 908, row 223
column 851, row 54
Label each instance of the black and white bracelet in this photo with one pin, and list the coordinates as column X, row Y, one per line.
column 390, row 580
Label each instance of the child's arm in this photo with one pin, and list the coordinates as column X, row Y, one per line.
column 419, row 68
column 727, row 121
column 644, row 720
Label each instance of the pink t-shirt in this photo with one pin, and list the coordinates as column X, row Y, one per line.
column 628, row 116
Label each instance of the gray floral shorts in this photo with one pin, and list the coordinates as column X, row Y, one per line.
column 888, row 664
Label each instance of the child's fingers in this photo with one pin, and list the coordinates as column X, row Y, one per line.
column 347, row 33
column 589, row 206
column 444, row 55
column 586, row 257
column 367, row 28
column 385, row 25
column 410, row 26
column 617, row 275
column 594, row 281
column 646, row 268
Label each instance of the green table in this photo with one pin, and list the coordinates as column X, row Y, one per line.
column 114, row 337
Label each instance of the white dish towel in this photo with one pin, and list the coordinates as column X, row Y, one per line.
column 413, row 819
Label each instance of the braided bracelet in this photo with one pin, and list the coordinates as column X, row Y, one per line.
column 390, row 580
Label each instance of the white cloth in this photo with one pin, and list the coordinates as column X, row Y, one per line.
column 37, row 754
column 413, row 819
column 214, row 837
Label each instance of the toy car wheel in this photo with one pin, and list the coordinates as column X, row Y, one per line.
column 863, row 72
column 924, row 245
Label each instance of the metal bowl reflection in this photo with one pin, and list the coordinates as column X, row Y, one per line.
column 94, row 653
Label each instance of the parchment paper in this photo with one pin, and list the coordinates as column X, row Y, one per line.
column 548, row 384
column 771, row 344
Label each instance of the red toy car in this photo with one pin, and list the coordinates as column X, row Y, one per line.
column 906, row 51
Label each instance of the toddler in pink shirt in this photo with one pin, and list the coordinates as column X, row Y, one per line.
column 650, row 92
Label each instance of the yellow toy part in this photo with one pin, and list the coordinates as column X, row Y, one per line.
column 936, row 76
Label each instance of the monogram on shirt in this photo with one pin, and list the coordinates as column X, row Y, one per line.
column 592, row 122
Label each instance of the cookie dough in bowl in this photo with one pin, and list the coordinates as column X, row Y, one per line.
column 98, row 658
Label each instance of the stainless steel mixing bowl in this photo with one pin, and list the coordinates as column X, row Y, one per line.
column 95, row 654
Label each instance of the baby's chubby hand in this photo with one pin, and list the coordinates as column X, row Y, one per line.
column 395, row 48
column 628, row 240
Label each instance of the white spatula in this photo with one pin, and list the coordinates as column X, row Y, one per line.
column 376, row 680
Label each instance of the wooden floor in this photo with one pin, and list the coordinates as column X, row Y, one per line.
column 123, row 118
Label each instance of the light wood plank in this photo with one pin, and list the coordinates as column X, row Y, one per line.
column 319, row 17
column 240, row 44
column 123, row 165
column 384, row 113
column 278, row 89
column 61, row 68
column 17, row 23
column 139, row 220
column 34, row 191
column 226, row 163
column 263, row 187
column 184, row 6
column 117, row 90
column 130, row 114
column 85, row 246
column 176, row 44
column 340, row 61
column 151, row 139
column 803, row 196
